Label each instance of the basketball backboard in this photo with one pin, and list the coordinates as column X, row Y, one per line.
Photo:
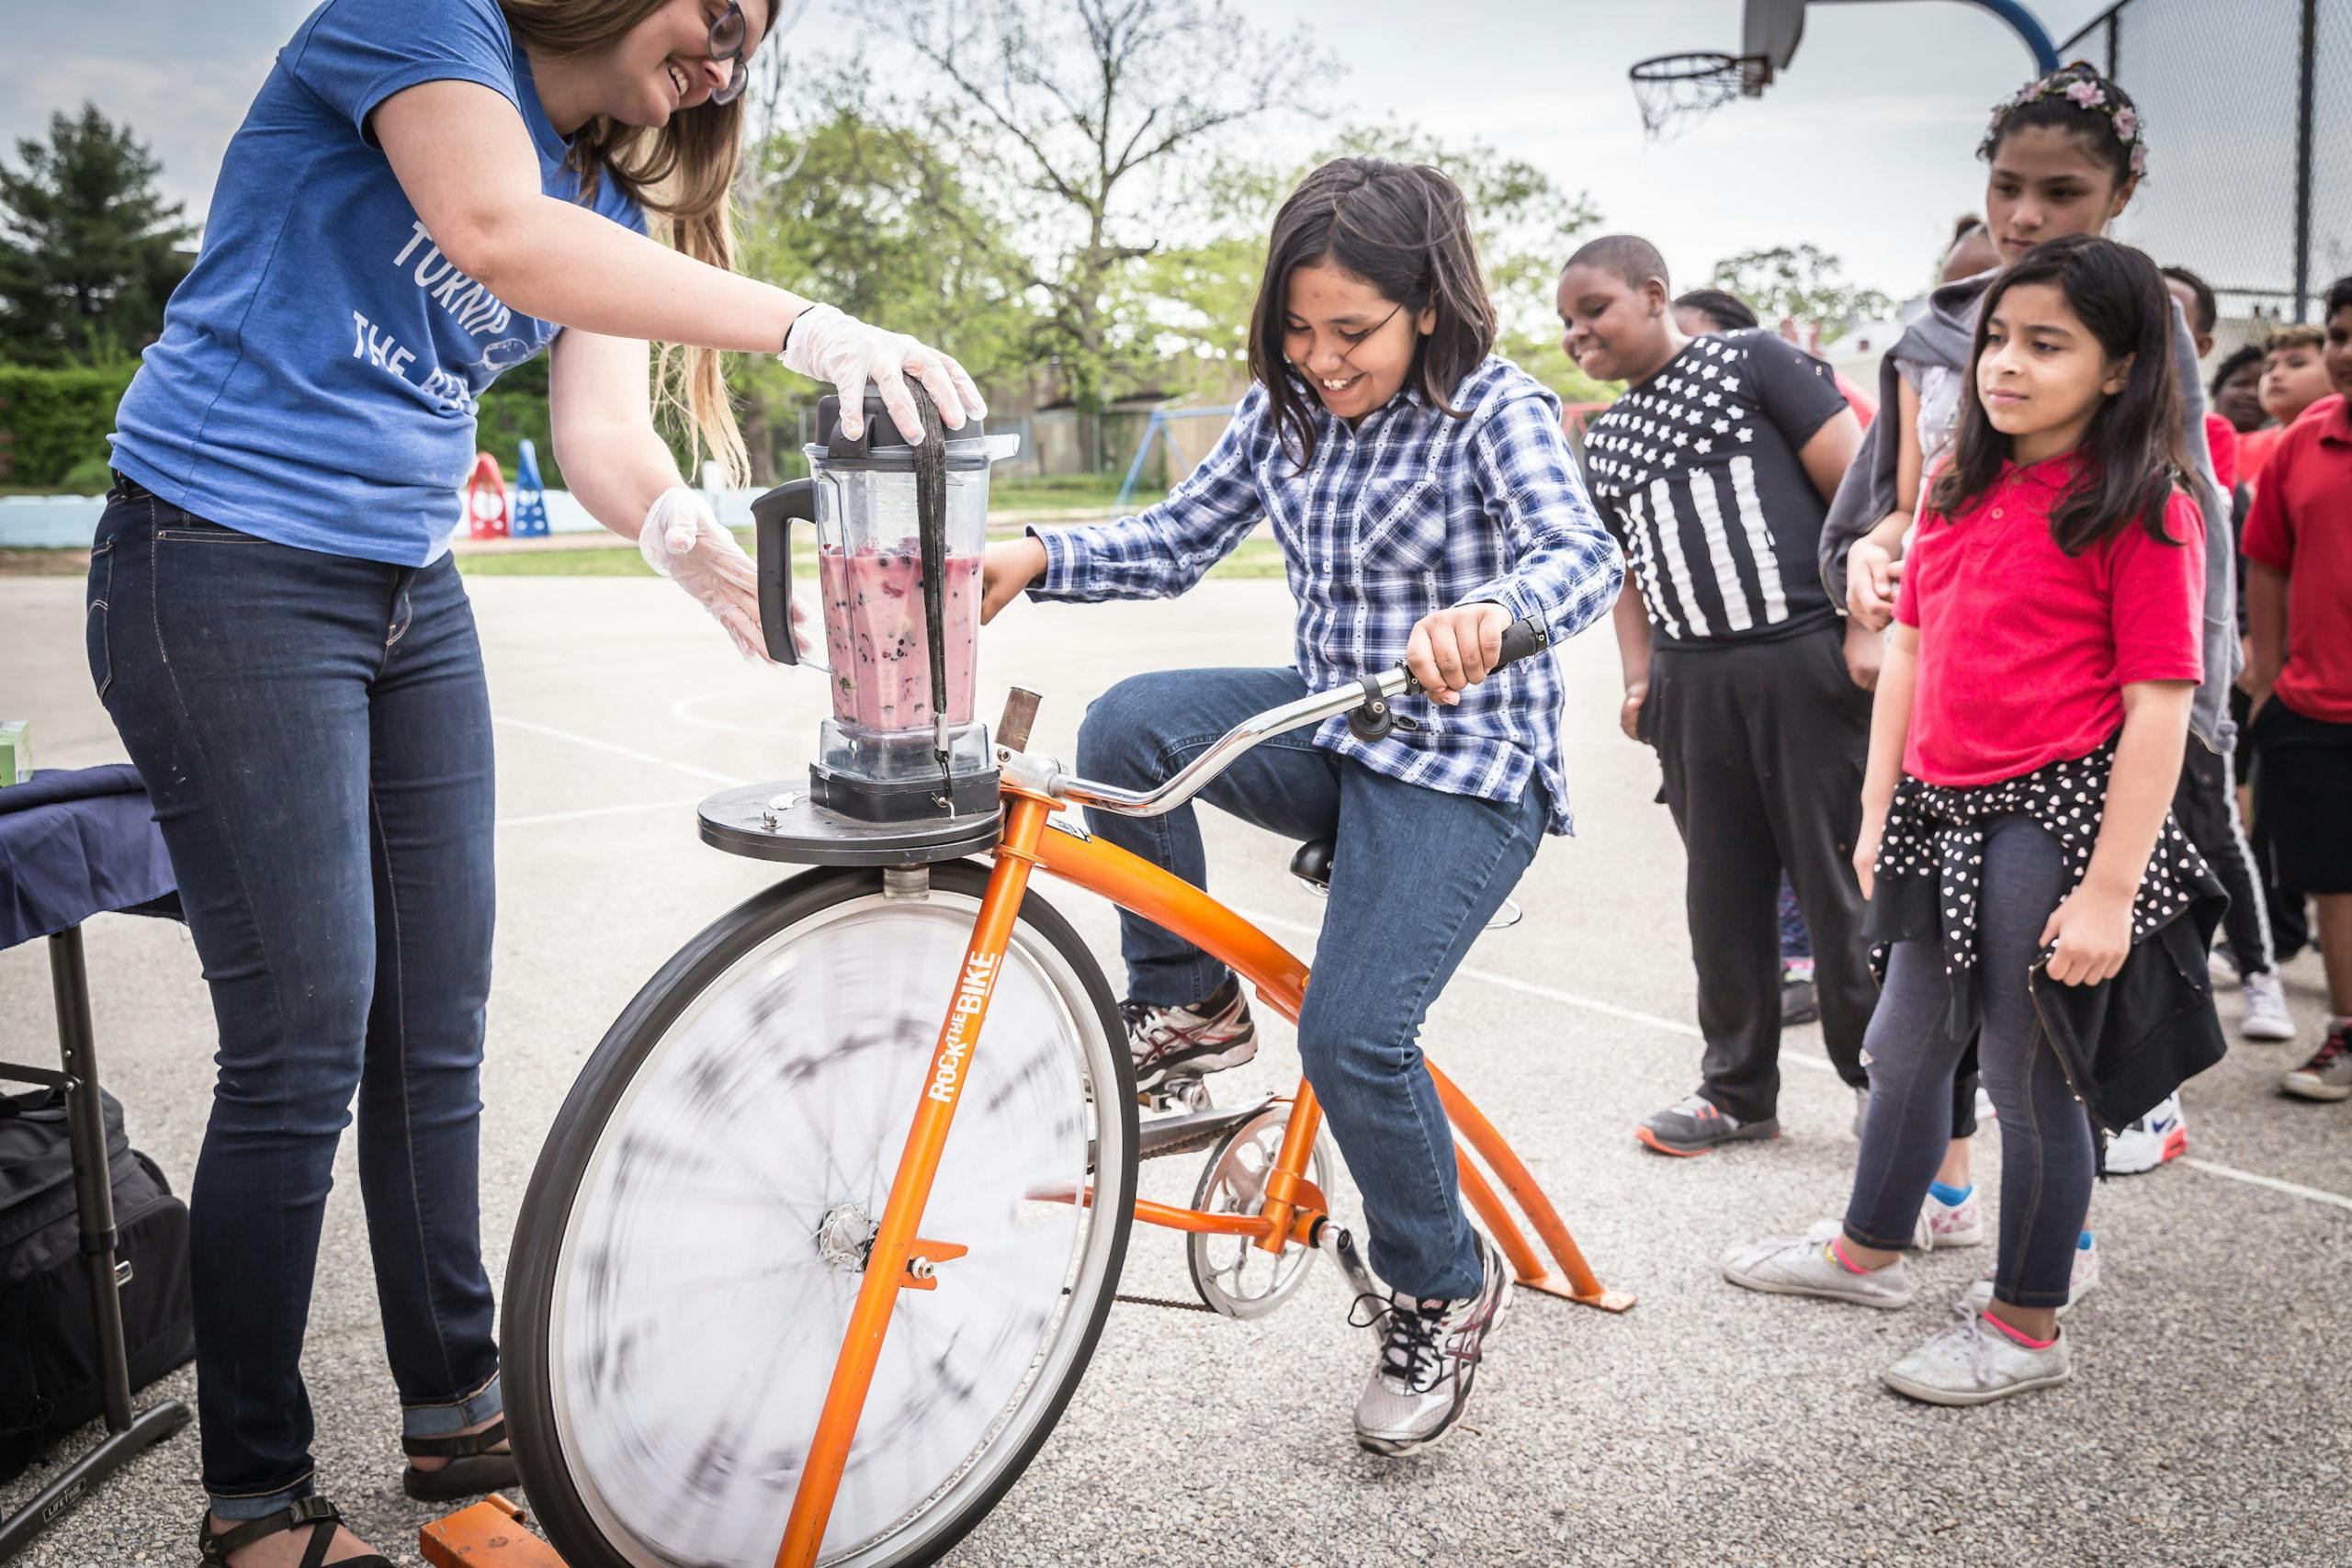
column 1769, row 37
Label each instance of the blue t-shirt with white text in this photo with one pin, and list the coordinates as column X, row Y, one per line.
column 316, row 379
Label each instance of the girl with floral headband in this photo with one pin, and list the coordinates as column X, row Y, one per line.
column 2065, row 155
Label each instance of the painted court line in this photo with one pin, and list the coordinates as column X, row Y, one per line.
column 1800, row 1058
column 2291, row 1188
column 536, row 819
column 631, row 752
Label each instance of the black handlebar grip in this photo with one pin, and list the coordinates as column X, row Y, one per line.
column 771, row 516
column 1521, row 638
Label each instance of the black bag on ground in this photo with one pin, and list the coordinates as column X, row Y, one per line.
column 49, row 1375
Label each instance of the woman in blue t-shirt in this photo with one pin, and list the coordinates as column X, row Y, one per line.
column 424, row 193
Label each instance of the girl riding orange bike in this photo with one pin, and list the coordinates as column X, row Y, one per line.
column 1425, row 499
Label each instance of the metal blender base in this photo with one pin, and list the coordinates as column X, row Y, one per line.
column 778, row 821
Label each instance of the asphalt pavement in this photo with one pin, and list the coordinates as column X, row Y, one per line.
column 2207, row 1423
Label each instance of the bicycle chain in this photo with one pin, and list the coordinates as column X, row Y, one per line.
column 1163, row 1301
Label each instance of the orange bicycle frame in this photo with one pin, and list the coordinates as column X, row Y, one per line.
column 1294, row 1209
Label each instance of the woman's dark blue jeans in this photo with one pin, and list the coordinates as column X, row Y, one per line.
column 315, row 732
column 1416, row 874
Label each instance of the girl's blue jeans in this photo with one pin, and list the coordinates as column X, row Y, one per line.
column 314, row 730
column 1415, row 877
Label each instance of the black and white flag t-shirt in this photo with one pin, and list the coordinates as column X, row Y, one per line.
column 1696, row 472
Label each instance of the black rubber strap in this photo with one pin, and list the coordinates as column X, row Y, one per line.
column 304, row 1511
column 931, row 530
column 464, row 1444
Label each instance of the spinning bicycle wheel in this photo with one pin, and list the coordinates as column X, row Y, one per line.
column 694, row 1238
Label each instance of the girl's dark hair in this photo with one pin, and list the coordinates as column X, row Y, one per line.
column 2108, row 126
column 1404, row 230
column 1719, row 305
column 2339, row 295
column 2209, row 307
column 2132, row 456
column 2237, row 359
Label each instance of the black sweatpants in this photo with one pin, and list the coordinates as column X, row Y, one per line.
column 2206, row 805
column 1763, row 745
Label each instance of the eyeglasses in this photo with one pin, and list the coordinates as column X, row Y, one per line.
column 1349, row 358
column 728, row 33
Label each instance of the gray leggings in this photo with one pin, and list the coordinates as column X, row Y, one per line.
column 2048, row 1157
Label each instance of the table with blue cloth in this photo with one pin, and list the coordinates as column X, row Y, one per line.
column 74, row 843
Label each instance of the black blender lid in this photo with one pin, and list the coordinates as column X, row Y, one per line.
column 880, row 429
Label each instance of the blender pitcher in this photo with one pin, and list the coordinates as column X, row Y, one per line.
column 884, row 756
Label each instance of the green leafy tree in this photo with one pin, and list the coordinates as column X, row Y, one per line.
column 874, row 218
column 89, row 249
column 1800, row 282
column 1525, row 226
column 1079, row 121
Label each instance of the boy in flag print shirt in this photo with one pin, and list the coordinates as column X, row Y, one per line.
column 1715, row 470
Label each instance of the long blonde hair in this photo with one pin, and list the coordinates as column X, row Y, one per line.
column 680, row 175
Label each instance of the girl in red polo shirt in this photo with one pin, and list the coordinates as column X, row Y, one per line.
column 2024, row 746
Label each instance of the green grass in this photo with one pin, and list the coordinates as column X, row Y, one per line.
column 1256, row 558
column 1068, row 492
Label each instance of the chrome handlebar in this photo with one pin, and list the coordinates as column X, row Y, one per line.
column 1047, row 777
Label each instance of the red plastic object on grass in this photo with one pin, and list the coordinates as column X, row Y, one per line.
column 486, row 498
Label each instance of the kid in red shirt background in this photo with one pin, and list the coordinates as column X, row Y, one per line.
column 2027, row 737
column 2299, row 595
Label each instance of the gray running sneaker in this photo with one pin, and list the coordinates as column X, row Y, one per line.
column 1801, row 1266
column 2328, row 1074
column 1186, row 1042
column 1428, row 1357
column 1692, row 1127
column 1973, row 1363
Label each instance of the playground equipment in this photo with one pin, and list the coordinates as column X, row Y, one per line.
column 486, row 498
column 1676, row 91
column 530, row 496
column 1158, row 428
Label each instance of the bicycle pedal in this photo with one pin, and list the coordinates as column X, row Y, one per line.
column 1176, row 1094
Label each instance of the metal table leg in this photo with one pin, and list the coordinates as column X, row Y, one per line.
column 127, row 1433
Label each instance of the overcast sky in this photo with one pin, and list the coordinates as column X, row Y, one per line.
column 1846, row 151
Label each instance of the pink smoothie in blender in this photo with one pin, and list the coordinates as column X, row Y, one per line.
column 875, row 637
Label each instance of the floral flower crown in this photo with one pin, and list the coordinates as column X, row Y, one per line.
column 2079, row 85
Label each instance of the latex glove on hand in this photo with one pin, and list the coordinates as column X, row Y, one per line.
column 681, row 540
column 825, row 345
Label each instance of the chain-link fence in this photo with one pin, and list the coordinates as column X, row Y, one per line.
column 2249, row 113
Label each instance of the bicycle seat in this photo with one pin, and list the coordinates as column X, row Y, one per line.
column 1312, row 864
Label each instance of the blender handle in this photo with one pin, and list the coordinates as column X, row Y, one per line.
column 773, row 515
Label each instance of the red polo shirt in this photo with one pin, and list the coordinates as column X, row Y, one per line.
column 2025, row 650
column 2301, row 524
column 2221, row 441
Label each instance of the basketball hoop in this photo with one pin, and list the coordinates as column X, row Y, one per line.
column 1676, row 91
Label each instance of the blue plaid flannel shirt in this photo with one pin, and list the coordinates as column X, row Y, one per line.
column 1410, row 513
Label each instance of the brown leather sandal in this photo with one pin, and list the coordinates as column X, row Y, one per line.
column 473, row 1468
column 318, row 1516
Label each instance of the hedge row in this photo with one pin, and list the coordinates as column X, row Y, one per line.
column 53, row 422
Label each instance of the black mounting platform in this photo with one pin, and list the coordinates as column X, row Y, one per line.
column 778, row 821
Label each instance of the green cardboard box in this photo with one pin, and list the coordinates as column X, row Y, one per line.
column 16, row 751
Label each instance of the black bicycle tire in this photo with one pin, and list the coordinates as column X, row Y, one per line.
column 527, row 1304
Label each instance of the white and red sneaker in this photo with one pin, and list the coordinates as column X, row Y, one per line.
column 1186, row 1042
column 2159, row 1136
